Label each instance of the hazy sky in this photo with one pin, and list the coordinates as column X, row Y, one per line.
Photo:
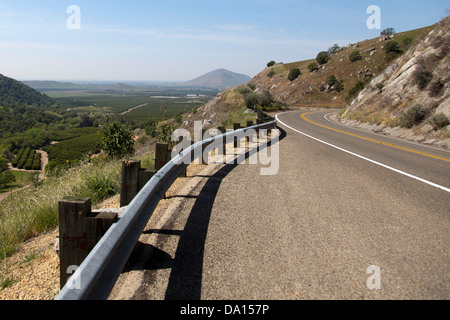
column 175, row 40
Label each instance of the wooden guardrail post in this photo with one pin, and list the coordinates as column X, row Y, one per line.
column 144, row 176
column 134, row 179
column 72, row 234
column 129, row 186
column 79, row 231
column 160, row 155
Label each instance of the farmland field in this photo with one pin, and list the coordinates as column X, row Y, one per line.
column 158, row 104
column 69, row 130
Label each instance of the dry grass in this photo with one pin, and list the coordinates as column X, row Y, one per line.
column 35, row 210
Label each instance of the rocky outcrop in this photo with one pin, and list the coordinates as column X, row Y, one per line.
column 418, row 79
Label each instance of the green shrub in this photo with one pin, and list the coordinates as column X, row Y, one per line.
column 339, row 86
column 271, row 63
column 3, row 162
column 271, row 73
column 251, row 99
column 355, row 56
column 331, row 80
column 322, row 57
column 313, row 66
column 100, row 187
column 251, row 85
column 435, row 88
column 406, row 42
column 243, row 90
column 380, row 86
column 16, row 159
column 37, row 162
column 164, row 133
column 392, row 50
column 353, row 92
column 117, row 139
column 23, row 158
column 439, row 121
column 413, row 116
column 422, row 78
column 294, row 74
column 6, row 177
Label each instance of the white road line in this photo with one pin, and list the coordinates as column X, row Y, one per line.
column 367, row 159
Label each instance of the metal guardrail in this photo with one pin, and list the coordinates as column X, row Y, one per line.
column 96, row 276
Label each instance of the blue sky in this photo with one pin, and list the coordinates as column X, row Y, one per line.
column 176, row 40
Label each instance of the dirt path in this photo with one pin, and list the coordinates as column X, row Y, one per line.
column 131, row 109
column 44, row 162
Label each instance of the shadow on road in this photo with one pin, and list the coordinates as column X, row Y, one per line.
column 185, row 280
column 187, row 267
column 186, row 277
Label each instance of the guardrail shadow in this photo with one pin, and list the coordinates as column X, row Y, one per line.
column 185, row 280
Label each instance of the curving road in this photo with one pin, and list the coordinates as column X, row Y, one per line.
column 348, row 215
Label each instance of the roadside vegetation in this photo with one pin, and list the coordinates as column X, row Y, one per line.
column 84, row 161
column 25, row 214
column 260, row 101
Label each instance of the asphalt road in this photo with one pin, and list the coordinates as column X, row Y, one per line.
column 344, row 217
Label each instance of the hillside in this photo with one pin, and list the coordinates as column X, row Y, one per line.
column 411, row 95
column 310, row 88
column 15, row 93
column 218, row 79
column 44, row 85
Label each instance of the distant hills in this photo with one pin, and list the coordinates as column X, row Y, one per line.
column 217, row 79
column 46, row 86
column 15, row 93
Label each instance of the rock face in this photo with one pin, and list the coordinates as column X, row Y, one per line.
column 311, row 88
column 419, row 78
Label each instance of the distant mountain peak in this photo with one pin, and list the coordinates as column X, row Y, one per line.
column 218, row 79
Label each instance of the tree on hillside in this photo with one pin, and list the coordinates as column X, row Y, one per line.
column 6, row 177
column 322, row 57
column 333, row 82
column 3, row 162
column 117, row 139
column 271, row 63
column 387, row 32
column 333, row 49
column 294, row 74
